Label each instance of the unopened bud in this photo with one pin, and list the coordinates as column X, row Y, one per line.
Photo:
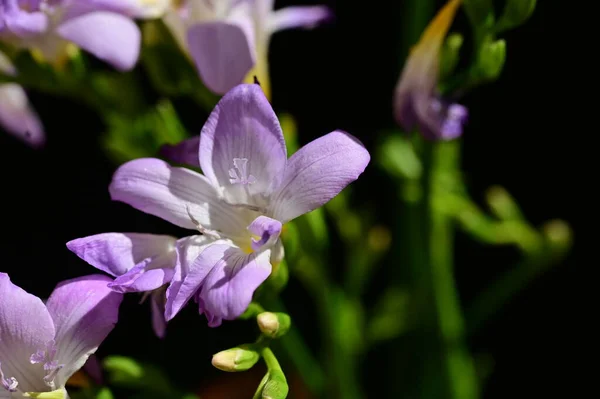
column 273, row 325
column 491, row 59
column 236, row 359
column 516, row 12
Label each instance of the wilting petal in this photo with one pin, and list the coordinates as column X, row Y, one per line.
column 183, row 286
column 318, row 172
column 155, row 187
column 234, row 276
column 185, row 153
column 18, row 117
column 416, row 102
column 267, row 230
column 148, row 275
column 299, row 17
column 109, row 36
column 241, row 145
column 25, row 327
column 84, row 311
column 158, row 301
column 117, row 253
column 223, row 53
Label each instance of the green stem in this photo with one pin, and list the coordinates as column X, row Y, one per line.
column 270, row 359
column 459, row 368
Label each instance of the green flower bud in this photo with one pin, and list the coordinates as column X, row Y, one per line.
column 491, row 59
column 273, row 325
column 516, row 12
column 450, row 55
column 236, row 359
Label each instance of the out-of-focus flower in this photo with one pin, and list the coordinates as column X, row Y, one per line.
column 248, row 191
column 16, row 114
column 228, row 38
column 42, row 345
column 48, row 27
column 417, row 103
column 141, row 263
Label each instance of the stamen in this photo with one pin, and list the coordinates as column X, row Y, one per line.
column 209, row 233
column 239, row 173
column 10, row 384
column 254, row 208
column 51, row 366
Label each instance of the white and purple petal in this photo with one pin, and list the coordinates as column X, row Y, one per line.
column 241, row 145
column 18, row 117
column 111, row 37
column 318, row 172
column 148, row 275
column 84, row 311
column 186, row 152
column 299, row 17
column 26, row 327
column 267, row 230
column 117, row 253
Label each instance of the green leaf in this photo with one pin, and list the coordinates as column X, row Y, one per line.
column 516, row 12
column 128, row 373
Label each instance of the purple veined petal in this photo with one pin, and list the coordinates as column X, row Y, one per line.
column 185, row 153
column 183, row 285
column 241, row 145
column 234, row 276
column 148, row 275
column 299, row 17
column 318, row 172
column 18, row 117
column 23, row 23
column 25, row 327
column 84, row 311
column 109, row 36
column 223, row 53
column 158, row 301
column 173, row 194
column 117, row 253
column 267, row 230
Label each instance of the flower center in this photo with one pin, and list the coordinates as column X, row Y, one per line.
column 46, row 357
column 239, row 173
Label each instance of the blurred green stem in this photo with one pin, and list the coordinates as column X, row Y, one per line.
column 460, row 371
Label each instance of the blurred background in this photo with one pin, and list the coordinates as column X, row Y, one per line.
column 338, row 76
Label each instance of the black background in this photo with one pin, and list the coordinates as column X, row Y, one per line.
column 337, row 76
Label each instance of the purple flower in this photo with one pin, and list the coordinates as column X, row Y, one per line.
column 248, row 191
column 16, row 114
column 42, row 345
column 49, row 26
column 141, row 263
column 227, row 38
column 417, row 103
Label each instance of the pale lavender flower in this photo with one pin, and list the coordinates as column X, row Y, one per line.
column 248, row 191
column 42, row 345
column 48, row 26
column 140, row 263
column 17, row 116
column 226, row 38
column 417, row 103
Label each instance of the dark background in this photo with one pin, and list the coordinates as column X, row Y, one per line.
column 337, row 76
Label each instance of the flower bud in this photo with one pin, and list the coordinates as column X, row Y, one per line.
column 236, row 359
column 516, row 12
column 273, row 325
column 450, row 55
column 491, row 59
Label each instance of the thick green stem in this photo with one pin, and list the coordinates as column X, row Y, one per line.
column 460, row 372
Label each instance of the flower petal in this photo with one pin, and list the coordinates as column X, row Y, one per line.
column 25, row 327
column 148, row 275
column 18, row 117
column 318, row 172
column 223, row 53
column 153, row 186
column 234, row 276
column 109, row 36
column 22, row 23
column 117, row 253
column 241, row 145
column 183, row 285
column 158, row 301
column 84, row 311
column 267, row 230
column 185, row 152
column 299, row 17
